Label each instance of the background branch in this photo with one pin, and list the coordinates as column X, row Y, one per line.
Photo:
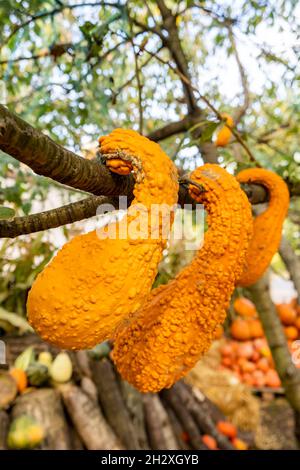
column 54, row 218
column 289, row 375
column 242, row 109
column 173, row 44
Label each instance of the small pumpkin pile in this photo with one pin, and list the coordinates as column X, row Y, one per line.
column 289, row 314
column 246, row 326
column 247, row 353
column 251, row 361
column 229, row 430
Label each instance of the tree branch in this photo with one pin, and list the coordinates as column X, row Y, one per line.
column 56, row 50
column 210, row 106
column 173, row 43
column 173, row 128
column 138, row 80
column 242, row 109
column 289, row 375
column 55, row 217
column 45, row 157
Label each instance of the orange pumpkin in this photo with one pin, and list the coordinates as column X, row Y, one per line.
column 227, row 350
column 227, row 429
column 210, row 442
column 240, row 330
column 286, row 314
column 263, row 364
column 260, row 343
column 259, row 379
column 226, row 361
column 255, row 356
column 239, row 444
column 256, row 329
column 20, row 377
column 219, row 332
column 244, row 307
column 247, row 379
column 297, row 323
column 245, row 350
column 291, row 332
column 248, row 367
column 272, row 379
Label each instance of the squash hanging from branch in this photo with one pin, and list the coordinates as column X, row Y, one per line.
column 267, row 226
column 163, row 340
column 224, row 135
column 98, row 278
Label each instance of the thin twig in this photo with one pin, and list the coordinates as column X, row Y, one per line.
column 138, row 80
column 209, row 105
column 131, row 79
column 242, row 110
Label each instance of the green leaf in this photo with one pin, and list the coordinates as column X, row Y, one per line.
column 6, row 212
column 208, row 131
column 15, row 320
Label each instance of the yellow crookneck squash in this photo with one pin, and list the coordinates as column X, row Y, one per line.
column 94, row 282
column 267, row 226
column 224, row 134
column 163, row 340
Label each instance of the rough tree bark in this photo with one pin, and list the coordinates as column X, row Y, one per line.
column 186, row 420
column 45, row 157
column 288, row 373
column 159, row 427
column 203, row 420
column 88, row 420
column 55, row 217
column 134, row 403
column 112, row 402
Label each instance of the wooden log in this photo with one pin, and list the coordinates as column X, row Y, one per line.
column 178, row 430
column 76, row 442
column 45, row 406
column 207, row 405
column 200, row 415
column 88, row 420
column 83, row 363
column 4, row 424
column 160, row 432
column 89, row 387
column 184, row 416
column 8, row 389
column 134, row 403
column 112, row 402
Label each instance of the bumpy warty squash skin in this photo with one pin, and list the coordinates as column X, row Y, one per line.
column 164, row 339
column 92, row 284
column 267, row 225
